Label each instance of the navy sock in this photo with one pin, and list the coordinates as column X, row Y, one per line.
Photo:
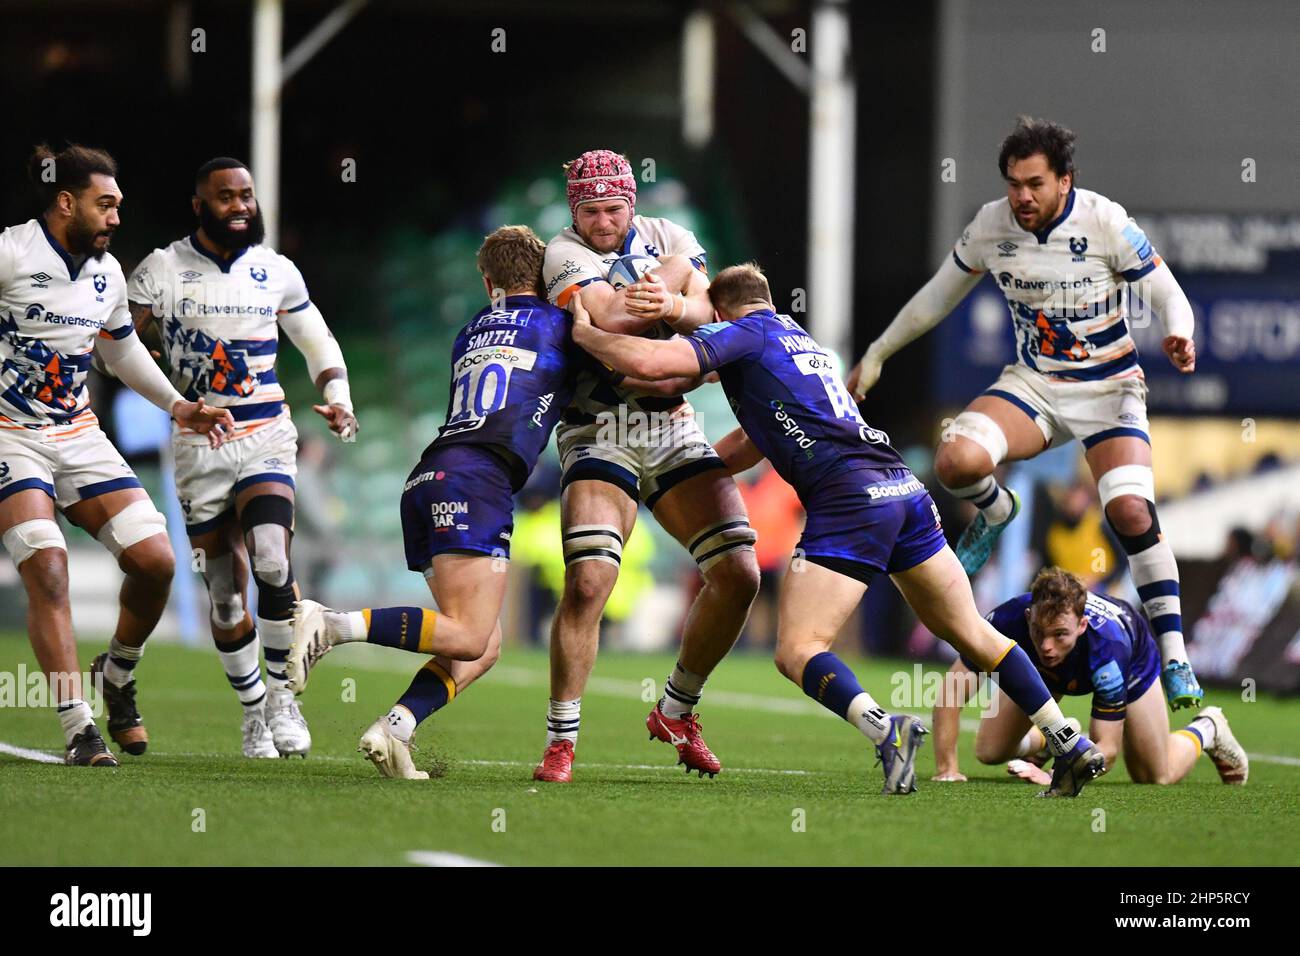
column 431, row 690
column 828, row 680
column 1021, row 682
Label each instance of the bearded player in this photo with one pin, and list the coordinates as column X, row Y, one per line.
column 62, row 303
column 867, row 516
column 1062, row 256
column 1084, row 643
column 674, row 472
column 221, row 298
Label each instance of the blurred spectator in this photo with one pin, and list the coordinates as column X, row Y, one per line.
column 777, row 517
column 1075, row 539
column 318, row 519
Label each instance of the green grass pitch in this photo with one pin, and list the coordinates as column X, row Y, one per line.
column 798, row 787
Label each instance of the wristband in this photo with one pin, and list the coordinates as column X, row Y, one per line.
column 338, row 392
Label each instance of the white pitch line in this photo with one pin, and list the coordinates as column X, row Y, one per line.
column 639, row 766
column 438, row 858
column 38, row 755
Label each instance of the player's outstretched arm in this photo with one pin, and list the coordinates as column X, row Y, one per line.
column 307, row 330
column 737, row 451
column 608, row 308
column 947, row 721
column 630, row 354
column 1162, row 293
column 924, row 311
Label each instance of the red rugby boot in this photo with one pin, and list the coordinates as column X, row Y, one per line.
column 557, row 763
column 684, row 734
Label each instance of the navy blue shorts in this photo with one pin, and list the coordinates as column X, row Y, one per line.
column 862, row 523
column 458, row 499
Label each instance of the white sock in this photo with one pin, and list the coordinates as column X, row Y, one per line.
column 1205, row 727
column 1030, row 744
column 562, row 720
column 681, row 692
column 121, row 674
column 276, row 638
column 993, row 501
column 869, row 717
column 401, row 723
column 74, row 715
column 243, row 667
column 1155, row 575
column 1061, row 736
column 344, row 626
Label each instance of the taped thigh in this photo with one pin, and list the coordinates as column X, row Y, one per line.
column 27, row 537
column 719, row 540
column 593, row 542
column 1127, row 480
column 982, row 430
column 134, row 523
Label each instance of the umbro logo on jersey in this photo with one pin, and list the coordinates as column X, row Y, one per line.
column 4, row 470
column 190, row 275
column 1007, row 248
column 40, row 278
column 258, row 274
column 101, row 283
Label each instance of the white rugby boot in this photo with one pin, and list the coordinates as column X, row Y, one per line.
column 257, row 736
column 391, row 757
column 288, row 728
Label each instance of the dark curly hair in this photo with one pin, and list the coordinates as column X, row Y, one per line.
column 1032, row 136
column 72, row 168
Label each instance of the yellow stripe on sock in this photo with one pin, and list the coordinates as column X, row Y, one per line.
column 436, row 669
column 365, row 615
column 428, row 620
column 1195, row 739
column 1003, row 655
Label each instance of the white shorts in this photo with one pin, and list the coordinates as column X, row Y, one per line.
column 207, row 480
column 70, row 462
column 644, row 453
column 1065, row 410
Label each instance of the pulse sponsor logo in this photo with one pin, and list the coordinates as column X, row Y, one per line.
column 793, row 430
column 543, row 406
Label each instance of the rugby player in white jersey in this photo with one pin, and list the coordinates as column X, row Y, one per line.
column 1062, row 256
column 607, row 470
column 220, row 298
column 63, row 300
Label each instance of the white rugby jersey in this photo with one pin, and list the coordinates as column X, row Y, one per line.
column 219, row 325
column 1064, row 284
column 51, row 310
column 570, row 264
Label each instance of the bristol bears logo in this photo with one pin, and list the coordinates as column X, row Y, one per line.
column 4, row 470
column 101, row 283
column 1078, row 247
column 258, row 273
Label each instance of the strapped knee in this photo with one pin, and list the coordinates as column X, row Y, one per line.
column 227, row 601
column 982, row 430
column 26, row 538
column 134, row 523
column 716, row 542
column 267, row 521
column 593, row 542
column 1139, row 481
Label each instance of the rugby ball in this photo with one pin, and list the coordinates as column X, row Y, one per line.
column 629, row 269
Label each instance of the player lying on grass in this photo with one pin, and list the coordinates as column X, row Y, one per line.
column 1085, row 644
column 512, row 373
column 867, row 514
column 63, row 302
column 1062, row 257
column 221, row 299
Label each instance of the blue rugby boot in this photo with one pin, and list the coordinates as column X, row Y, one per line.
column 1181, row 687
column 976, row 543
column 898, row 753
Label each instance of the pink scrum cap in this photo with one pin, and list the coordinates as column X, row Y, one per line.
column 600, row 174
